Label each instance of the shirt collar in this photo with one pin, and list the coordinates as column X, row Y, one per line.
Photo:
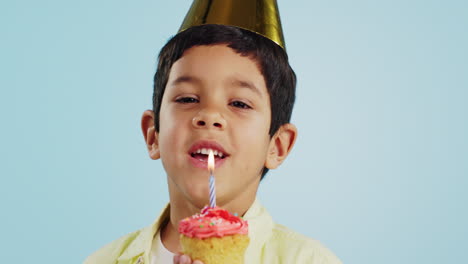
column 140, row 247
column 260, row 228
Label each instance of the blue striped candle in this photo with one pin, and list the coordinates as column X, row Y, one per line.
column 212, row 191
column 211, row 166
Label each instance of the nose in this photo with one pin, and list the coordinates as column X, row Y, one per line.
column 207, row 119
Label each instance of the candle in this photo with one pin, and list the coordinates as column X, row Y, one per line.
column 211, row 165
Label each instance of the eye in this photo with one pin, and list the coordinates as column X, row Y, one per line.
column 186, row 100
column 240, row 104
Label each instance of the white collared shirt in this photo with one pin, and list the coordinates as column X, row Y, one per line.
column 159, row 253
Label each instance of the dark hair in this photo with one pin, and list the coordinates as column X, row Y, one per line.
column 272, row 60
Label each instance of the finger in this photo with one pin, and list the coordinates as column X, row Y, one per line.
column 184, row 259
column 176, row 259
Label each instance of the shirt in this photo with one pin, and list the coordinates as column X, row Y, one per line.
column 159, row 253
column 270, row 243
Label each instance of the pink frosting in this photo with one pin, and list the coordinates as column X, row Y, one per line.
column 213, row 222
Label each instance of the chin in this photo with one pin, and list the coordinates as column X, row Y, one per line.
column 198, row 195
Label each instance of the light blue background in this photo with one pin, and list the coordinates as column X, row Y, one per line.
column 378, row 174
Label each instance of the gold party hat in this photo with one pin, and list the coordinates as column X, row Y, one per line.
column 259, row 16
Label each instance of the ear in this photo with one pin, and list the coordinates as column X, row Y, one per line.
column 150, row 134
column 280, row 145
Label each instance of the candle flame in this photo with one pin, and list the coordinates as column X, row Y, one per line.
column 211, row 163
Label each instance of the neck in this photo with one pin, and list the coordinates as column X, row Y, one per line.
column 170, row 237
column 170, row 233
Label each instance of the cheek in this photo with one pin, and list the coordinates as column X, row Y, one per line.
column 257, row 130
column 168, row 136
column 253, row 139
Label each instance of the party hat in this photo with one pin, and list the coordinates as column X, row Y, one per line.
column 259, row 16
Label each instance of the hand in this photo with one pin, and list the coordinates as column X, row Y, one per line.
column 184, row 259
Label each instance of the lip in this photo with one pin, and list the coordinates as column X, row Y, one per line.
column 207, row 144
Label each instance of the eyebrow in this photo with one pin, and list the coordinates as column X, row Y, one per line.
column 185, row 79
column 247, row 84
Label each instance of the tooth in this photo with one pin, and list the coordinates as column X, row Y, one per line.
column 198, row 151
column 204, row 151
column 220, row 154
column 215, row 153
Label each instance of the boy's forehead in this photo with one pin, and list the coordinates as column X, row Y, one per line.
column 200, row 63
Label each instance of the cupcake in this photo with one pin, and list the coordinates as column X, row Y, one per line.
column 214, row 236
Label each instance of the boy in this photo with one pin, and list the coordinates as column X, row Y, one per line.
column 232, row 91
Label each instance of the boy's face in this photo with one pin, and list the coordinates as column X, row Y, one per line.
column 214, row 99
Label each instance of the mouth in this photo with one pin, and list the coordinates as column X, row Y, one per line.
column 200, row 150
column 202, row 154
